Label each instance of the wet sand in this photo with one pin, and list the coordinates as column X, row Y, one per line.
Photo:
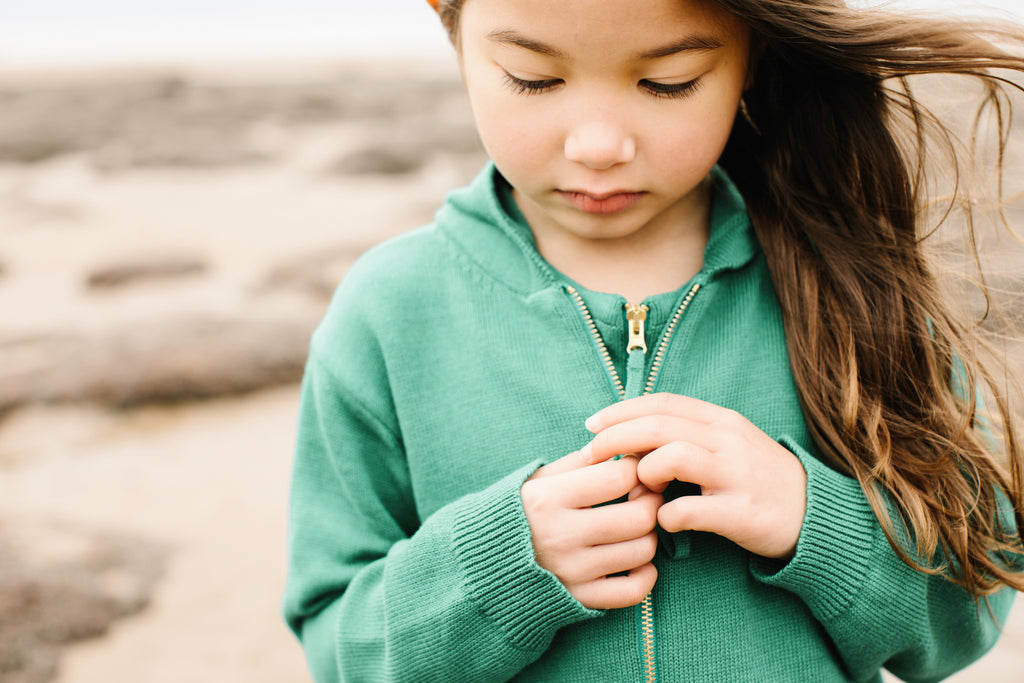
column 208, row 484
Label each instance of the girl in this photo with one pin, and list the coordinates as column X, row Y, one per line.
column 739, row 303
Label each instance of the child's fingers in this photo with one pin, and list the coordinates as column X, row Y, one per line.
column 721, row 515
column 638, row 490
column 589, row 564
column 644, row 434
column 616, row 592
column 580, row 488
column 599, row 483
column 622, row 521
column 654, row 404
column 614, row 558
column 683, row 461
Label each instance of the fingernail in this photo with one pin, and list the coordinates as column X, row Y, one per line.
column 591, row 423
column 585, row 453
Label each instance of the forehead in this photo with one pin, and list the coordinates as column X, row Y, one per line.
column 591, row 26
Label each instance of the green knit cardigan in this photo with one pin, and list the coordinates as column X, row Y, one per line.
column 452, row 363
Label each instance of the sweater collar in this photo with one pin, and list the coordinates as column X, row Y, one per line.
column 484, row 221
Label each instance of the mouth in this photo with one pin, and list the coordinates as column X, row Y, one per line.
column 603, row 203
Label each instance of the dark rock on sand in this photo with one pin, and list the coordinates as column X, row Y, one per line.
column 163, row 361
column 121, row 274
column 406, row 145
column 115, row 124
column 316, row 275
column 379, row 160
column 47, row 602
column 199, row 124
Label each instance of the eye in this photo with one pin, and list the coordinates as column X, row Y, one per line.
column 523, row 87
column 671, row 90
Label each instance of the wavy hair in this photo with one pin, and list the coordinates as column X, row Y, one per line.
column 834, row 154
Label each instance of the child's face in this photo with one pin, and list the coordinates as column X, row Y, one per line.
column 604, row 115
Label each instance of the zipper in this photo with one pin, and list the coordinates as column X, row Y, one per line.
column 635, row 317
column 647, row 639
column 636, row 350
column 636, row 337
column 595, row 334
column 670, row 329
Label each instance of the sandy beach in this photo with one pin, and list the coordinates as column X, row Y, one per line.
column 168, row 241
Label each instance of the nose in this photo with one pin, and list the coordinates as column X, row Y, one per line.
column 599, row 145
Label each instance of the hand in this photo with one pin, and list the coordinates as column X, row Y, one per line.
column 589, row 548
column 753, row 489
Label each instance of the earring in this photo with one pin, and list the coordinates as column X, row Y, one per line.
column 745, row 113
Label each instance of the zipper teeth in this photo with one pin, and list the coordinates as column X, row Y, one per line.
column 659, row 357
column 606, row 357
column 647, row 616
column 647, row 606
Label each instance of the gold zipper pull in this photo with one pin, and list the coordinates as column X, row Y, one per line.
column 635, row 316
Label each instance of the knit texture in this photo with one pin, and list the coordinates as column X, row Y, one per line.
column 452, row 363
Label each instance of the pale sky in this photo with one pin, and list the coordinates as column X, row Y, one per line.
column 91, row 31
column 62, row 31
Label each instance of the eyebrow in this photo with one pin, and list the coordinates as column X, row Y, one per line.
column 518, row 39
column 692, row 43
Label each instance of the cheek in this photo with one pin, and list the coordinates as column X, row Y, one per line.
column 692, row 147
column 521, row 162
column 699, row 137
column 509, row 133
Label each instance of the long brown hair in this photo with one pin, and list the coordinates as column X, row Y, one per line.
column 832, row 159
column 832, row 155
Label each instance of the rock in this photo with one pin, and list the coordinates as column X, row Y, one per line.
column 379, row 161
column 315, row 274
column 29, row 142
column 177, row 145
column 404, row 146
column 152, row 122
column 172, row 120
column 119, row 275
column 47, row 602
column 170, row 360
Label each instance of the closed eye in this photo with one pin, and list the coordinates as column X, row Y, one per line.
column 671, row 90
column 524, row 87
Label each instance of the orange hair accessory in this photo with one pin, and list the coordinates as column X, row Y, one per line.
column 434, row 4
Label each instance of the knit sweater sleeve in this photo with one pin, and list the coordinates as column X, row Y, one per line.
column 878, row 611
column 373, row 591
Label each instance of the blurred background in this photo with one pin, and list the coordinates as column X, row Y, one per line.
column 182, row 185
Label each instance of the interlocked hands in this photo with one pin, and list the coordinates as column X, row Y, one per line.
column 753, row 492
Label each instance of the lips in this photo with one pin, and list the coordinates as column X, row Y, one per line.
column 604, row 203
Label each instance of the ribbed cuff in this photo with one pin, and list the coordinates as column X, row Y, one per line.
column 834, row 551
column 493, row 546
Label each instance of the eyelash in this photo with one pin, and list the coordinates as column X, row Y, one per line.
column 522, row 87
column 669, row 91
column 672, row 91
